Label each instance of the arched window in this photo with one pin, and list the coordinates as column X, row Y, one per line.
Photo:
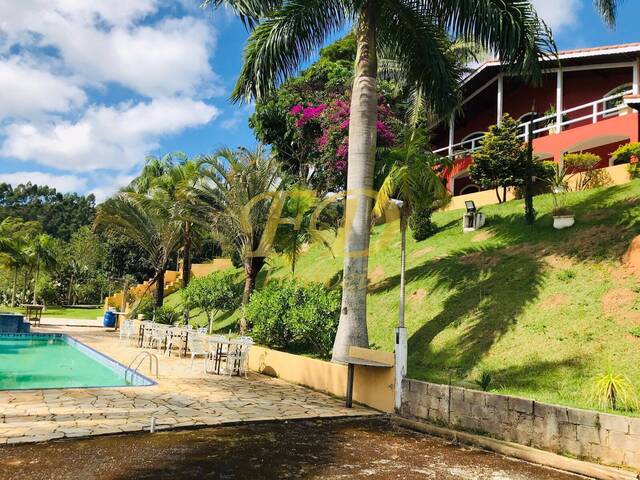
column 526, row 118
column 472, row 141
column 615, row 102
column 471, row 188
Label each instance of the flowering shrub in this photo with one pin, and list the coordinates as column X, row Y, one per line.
column 326, row 127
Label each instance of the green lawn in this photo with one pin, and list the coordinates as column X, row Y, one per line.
column 541, row 310
column 78, row 313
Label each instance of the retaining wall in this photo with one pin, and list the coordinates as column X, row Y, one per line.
column 585, row 434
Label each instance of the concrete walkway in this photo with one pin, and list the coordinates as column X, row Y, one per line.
column 70, row 322
column 183, row 397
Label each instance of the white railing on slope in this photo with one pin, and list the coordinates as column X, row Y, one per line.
column 473, row 144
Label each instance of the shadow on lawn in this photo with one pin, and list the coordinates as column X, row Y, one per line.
column 489, row 286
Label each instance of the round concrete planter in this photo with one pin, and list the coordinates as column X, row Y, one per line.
column 563, row 221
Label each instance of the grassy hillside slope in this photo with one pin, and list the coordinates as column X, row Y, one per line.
column 541, row 310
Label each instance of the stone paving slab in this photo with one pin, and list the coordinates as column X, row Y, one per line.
column 184, row 397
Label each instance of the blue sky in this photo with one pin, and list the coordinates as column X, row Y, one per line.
column 88, row 88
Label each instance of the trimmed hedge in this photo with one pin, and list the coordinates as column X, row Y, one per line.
column 287, row 314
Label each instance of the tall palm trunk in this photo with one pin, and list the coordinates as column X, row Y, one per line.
column 159, row 296
column 35, row 283
column 352, row 329
column 14, row 287
column 186, row 267
column 186, row 260
column 252, row 267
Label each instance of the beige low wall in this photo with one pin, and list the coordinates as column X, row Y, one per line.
column 203, row 269
column 585, row 434
column 618, row 173
column 373, row 387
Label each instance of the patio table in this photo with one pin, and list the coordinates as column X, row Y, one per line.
column 351, row 363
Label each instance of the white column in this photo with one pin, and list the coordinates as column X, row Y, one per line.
column 636, row 77
column 452, row 125
column 500, row 98
column 401, row 364
column 559, row 106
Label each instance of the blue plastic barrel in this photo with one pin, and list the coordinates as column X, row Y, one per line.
column 109, row 319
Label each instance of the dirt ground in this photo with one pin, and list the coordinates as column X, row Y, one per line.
column 338, row 449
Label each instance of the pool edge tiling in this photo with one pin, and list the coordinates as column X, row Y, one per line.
column 136, row 380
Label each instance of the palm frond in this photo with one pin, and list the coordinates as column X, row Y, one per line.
column 510, row 28
column 280, row 43
column 249, row 11
column 608, row 9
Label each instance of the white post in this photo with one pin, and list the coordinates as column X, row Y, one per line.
column 500, row 98
column 401, row 331
column 401, row 363
column 559, row 106
column 452, row 125
column 595, row 112
column 636, row 79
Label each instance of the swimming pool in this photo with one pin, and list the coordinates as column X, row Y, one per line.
column 37, row 361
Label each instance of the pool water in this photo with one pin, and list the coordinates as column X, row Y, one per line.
column 35, row 361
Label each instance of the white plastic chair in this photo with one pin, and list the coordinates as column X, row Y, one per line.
column 238, row 358
column 198, row 346
column 158, row 336
column 127, row 330
column 175, row 337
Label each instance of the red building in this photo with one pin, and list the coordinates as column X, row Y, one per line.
column 583, row 103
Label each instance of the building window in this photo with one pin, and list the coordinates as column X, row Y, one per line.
column 472, row 141
column 525, row 119
column 615, row 102
column 471, row 188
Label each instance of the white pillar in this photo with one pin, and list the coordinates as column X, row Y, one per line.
column 500, row 98
column 559, row 106
column 636, row 77
column 452, row 125
column 401, row 364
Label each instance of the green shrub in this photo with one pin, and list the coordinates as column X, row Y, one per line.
column 211, row 294
column 166, row 315
column 624, row 152
column 614, row 390
column 290, row 313
column 421, row 225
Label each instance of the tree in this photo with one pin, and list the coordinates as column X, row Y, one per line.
column 284, row 33
column 235, row 196
column 15, row 253
column 42, row 252
column 148, row 220
column 211, row 294
column 500, row 160
column 58, row 214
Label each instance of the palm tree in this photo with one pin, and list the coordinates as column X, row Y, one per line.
column 284, row 33
column 42, row 252
column 608, row 9
column 235, row 196
column 411, row 184
column 14, row 247
column 176, row 174
column 150, row 221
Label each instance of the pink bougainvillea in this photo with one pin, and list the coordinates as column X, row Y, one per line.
column 326, row 127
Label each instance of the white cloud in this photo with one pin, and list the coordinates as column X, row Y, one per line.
column 558, row 14
column 103, row 43
column 62, row 183
column 105, row 137
column 28, row 91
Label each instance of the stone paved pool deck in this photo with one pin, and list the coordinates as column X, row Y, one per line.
column 183, row 398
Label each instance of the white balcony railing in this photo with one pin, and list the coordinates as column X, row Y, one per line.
column 596, row 110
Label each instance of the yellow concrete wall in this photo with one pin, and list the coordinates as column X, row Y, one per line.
column 203, row 269
column 372, row 386
column 618, row 174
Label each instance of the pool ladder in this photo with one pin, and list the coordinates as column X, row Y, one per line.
column 138, row 362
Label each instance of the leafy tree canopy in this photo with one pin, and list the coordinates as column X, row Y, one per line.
column 59, row 214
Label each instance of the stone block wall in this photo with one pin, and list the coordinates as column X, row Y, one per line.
column 589, row 435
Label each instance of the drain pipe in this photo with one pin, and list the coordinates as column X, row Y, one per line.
column 152, row 427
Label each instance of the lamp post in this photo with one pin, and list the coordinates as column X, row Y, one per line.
column 401, row 338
